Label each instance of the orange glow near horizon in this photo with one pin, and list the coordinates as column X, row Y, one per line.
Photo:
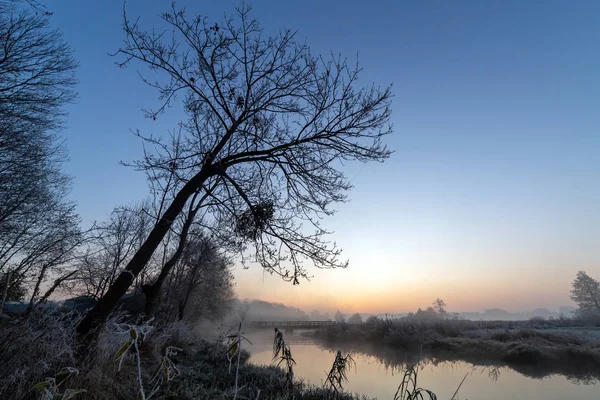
column 356, row 290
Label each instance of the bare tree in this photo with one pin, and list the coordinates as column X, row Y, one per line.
column 113, row 244
column 41, row 245
column 339, row 317
column 38, row 75
column 586, row 293
column 439, row 306
column 355, row 319
column 38, row 226
column 52, row 253
column 274, row 122
column 201, row 284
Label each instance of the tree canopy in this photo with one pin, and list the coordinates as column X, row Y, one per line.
column 39, row 229
column 269, row 126
column 586, row 293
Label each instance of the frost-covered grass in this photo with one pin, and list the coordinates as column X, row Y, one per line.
column 34, row 349
column 533, row 348
column 127, row 361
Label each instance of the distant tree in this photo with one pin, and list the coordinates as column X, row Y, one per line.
column 269, row 120
column 339, row 317
column 537, row 320
column 428, row 314
column 355, row 319
column 586, row 293
column 454, row 316
column 440, row 307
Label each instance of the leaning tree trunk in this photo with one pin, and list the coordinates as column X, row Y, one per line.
column 151, row 291
column 98, row 314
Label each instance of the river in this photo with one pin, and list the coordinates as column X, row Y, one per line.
column 377, row 377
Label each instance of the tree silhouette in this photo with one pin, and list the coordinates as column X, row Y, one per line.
column 38, row 226
column 586, row 293
column 339, row 317
column 355, row 319
column 440, row 307
column 268, row 119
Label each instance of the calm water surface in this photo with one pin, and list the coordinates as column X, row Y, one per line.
column 376, row 378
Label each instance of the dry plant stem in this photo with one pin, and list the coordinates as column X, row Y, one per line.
column 458, row 388
column 139, row 370
column 237, row 369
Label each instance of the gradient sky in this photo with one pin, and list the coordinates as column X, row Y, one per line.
column 492, row 196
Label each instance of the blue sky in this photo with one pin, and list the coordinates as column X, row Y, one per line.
column 491, row 197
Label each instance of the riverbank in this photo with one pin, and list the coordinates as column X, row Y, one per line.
column 167, row 361
column 531, row 351
column 207, row 375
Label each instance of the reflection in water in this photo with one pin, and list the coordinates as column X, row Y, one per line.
column 397, row 359
column 378, row 374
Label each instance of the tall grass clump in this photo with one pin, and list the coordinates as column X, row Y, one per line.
column 234, row 351
column 338, row 374
column 409, row 389
column 283, row 354
column 133, row 357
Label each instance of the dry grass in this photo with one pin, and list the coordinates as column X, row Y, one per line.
column 33, row 349
column 410, row 390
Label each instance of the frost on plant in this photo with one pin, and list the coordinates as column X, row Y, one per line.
column 50, row 388
column 163, row 373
